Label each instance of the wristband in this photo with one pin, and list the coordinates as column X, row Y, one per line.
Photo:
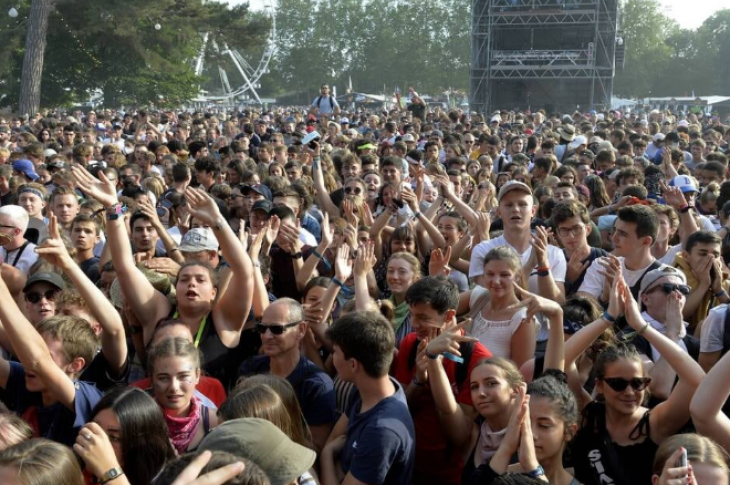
column 115, row 211
column 416, row 215
column 685, row 209
column 316, row 254
column 719, row 294
column 298, row 255
column 432, row 356
column 338, row 282
column 537, row 472
column 416, row 382
column 643, row 329
column 607, row 316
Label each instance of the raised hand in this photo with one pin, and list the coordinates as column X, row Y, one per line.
column 438, row 265
column 450, row 340
column 673, row 196
column 94, row 447
column 611, row 267
column 101, row 189
column 189, row 475
column 272, row 230
column 631, row 308
column 576, row 266
column 535, row 304
column 343, row 263
column 528, row 458
column 365, row 260
column 254, row 249
column 520, row 409
column 150, row 211
column 484, row 223
column 409, row 197
column 202, row 207
column 53, row 249
column 539, row 245
column 328, row 232
column 677, row 475
column 290, row 234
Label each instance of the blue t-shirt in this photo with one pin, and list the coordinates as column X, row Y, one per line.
column 55, row 422
column 380, row 445
column 314, row 388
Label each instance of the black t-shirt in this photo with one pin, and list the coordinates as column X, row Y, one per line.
column 595, row 253
column 8, row 199
column 99, row 373
column 90, row 267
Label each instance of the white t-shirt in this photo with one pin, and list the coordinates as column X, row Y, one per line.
column 668, row 258
column 662, row 329
column 594, row 280
column 556, row 260
column 713, row 330
column 20, row 260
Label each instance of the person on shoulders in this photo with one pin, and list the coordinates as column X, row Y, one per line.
column 325, row 103
column 282, row 330
column 375, row 438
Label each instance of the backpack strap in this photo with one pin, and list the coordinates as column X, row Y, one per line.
column 479, row 304
column 637, row 286
column 462, row 368
column 318, row 101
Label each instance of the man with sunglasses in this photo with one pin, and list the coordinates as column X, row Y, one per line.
column 662, row 297
column 282, row 330
column 40, row 293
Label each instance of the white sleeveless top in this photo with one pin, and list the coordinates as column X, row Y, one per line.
column 495, row 335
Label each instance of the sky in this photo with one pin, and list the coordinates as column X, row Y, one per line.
column 689, row 14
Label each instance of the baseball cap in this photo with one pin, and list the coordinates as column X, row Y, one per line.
column 263, row 443
column 684, row 182
column 51, row 278
column 49, row 152
column 199, row 239
column 367, row 146
column 25, row 167
column 259, row 189
column 653, row 276
column 513, row 185
column 595, row 139
column 262, row 205
column 658, row 137
column 578, row 141
column 604, row 146
column 683, row 123
column 407, row 138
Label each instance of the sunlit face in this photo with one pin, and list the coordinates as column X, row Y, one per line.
column 490, row 391
column 55, row 347
column 573, row 233
column 372, row 184
column 144, row 235
column 656, row 300
column 83, row 236
column 624, row 238
column 65, row 208
column 563, row 193
column 257, row 220
column 388, row 196
column 548, row 428
column 400, row 276
column 426, row 321
column 625, row 402
column 274, row 345
column 449, row 229
column 516, row 209
column 194, row 287
column 109, row 422
column 173, row 381
column 499, row 278
column 43, row 308
column 276, row 171
column 390, row 174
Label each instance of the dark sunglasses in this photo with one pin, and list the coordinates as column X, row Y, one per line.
column 275, row 329
column 619, row 384
column 570, row 327
column 668, row 288
column 35, row 297
column 355, row 190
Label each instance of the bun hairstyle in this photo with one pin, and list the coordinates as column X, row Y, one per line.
column 564, row 403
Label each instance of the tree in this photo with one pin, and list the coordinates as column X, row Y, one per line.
column 35, row 46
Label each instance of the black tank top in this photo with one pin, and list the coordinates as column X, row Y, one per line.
column 596, row 458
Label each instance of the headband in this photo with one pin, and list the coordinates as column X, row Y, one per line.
column 31, row 190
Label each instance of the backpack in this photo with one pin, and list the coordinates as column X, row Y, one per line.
column 318, row 102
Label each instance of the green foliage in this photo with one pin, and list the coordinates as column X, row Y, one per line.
column 663, row 59
column 380, row 44
column 113, row 47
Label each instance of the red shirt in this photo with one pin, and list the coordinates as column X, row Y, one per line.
column 437, row 461
column 208, row 387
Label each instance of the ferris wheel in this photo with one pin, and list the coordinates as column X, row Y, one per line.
column 233, row 73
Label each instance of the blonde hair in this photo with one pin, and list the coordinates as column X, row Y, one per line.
column 700, row 449
column 43, row 462
column 511, row 373
column 13, row 430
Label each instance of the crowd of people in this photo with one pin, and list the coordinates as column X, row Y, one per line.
column 340, row 296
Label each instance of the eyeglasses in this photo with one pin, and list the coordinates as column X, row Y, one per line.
column 355, row 190
column 275, row 329
column 668, row 288
column 570, row 231
column 35, row 297
column 620, row 384
column 3, row 226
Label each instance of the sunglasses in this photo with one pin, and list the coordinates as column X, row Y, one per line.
column 35, row 297
column 668, row 288
column 619, row 384
column 570, row 327
column 355, row 190
column 275, row 329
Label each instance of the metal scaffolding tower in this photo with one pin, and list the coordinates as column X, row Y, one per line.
column 553, row 54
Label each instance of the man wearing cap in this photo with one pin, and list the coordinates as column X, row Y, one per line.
column 259, row 215
column 662, row 297
column 260, row 441
column 689, row 189
column 15, row 250
column 24, row 168
column 254, row 193
column 543, row 262
column 282, row 330
column 40, row 292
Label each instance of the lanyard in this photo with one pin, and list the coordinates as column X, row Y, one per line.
column 200, row 328
column 17, row 256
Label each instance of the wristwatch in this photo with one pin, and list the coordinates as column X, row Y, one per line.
column 298, row 255
column 111, row 475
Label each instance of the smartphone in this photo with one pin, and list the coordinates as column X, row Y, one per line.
column 682, row 461
column 398, row 203
column 311, row 137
